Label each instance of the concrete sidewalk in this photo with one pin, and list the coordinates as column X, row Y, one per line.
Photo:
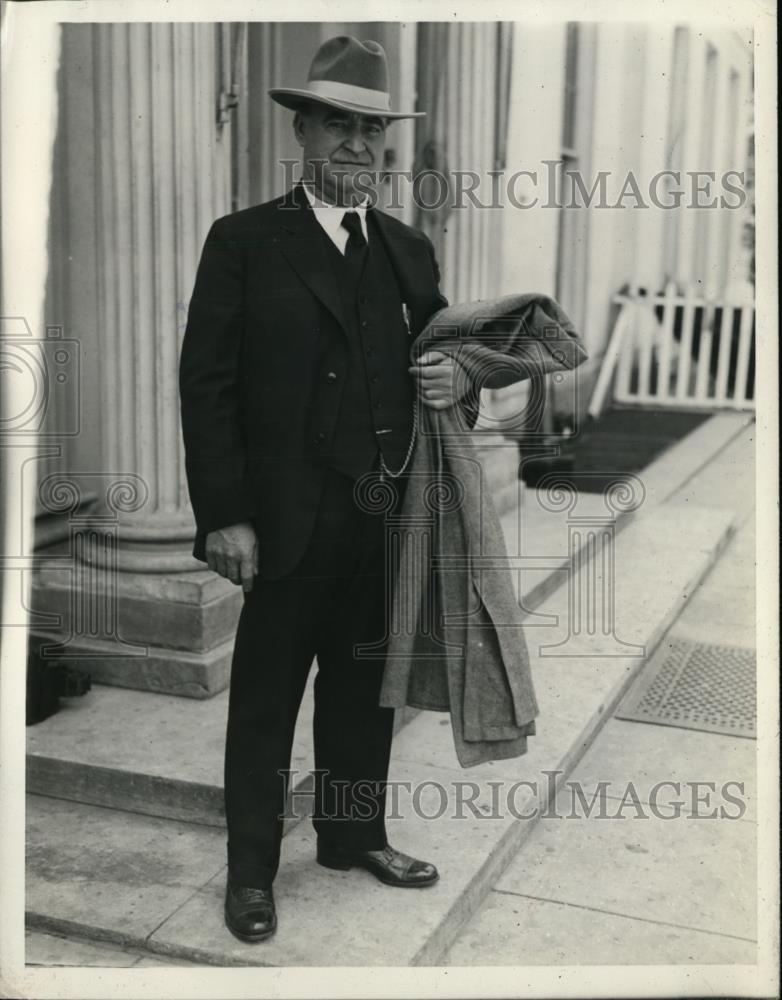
column 640, row 889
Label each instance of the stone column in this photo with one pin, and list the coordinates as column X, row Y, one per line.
column 161, row 181
column 458, row 88
column 142, row 121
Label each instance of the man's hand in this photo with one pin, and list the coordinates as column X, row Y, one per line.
column 233, row 553
column 441, row 381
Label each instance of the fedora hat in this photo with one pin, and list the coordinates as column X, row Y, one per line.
column 347, row 74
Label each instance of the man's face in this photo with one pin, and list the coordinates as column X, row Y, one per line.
column 336, row 147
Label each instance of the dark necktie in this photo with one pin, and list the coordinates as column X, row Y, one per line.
column 356, row 242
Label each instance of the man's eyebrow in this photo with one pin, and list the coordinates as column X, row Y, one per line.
column 372, row 120
column 343, row 116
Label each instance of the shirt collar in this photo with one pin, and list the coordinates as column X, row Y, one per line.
column 330, row 216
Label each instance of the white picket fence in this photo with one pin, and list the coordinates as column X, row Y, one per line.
column 679, row 351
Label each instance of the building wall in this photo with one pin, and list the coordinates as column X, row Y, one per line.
column 648, row 109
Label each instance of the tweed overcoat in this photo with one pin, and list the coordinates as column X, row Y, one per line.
column 457, row 639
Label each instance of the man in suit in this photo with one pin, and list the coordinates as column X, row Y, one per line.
column 296, row 381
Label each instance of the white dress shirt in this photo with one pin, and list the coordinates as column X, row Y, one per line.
column 330, row 218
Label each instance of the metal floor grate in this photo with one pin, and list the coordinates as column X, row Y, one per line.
column 696, row 686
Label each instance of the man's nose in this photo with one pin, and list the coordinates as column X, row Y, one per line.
column 355, row 140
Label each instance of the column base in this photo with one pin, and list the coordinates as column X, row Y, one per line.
column 152, row 668
column 166, row 632
column 157, row 543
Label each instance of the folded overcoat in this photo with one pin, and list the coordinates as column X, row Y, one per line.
column 456, row 642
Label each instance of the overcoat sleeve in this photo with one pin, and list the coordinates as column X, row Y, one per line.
column 209, row 387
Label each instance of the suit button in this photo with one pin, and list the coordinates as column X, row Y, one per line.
column 364, row 324
column 320, row 438
column 331, row 377
column 375, row 378
column 378, row 404
column 369, row 352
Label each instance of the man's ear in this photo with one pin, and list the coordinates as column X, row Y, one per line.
column 298, row 127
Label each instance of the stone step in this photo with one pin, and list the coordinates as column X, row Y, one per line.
column 157, row 884
column 149, row 753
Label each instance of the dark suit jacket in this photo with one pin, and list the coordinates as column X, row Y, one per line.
column 264, row 331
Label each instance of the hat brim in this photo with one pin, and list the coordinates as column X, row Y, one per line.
column 294, row 99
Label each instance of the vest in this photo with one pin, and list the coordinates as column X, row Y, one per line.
column 376, row 409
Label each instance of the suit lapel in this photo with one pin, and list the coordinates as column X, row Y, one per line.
column 302, row 243
column 303, row 247
column 407, row 256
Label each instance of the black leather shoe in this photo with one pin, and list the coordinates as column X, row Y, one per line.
column 250, row 914
column 389, row 865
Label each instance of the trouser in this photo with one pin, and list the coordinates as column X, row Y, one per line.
column 334, row 600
